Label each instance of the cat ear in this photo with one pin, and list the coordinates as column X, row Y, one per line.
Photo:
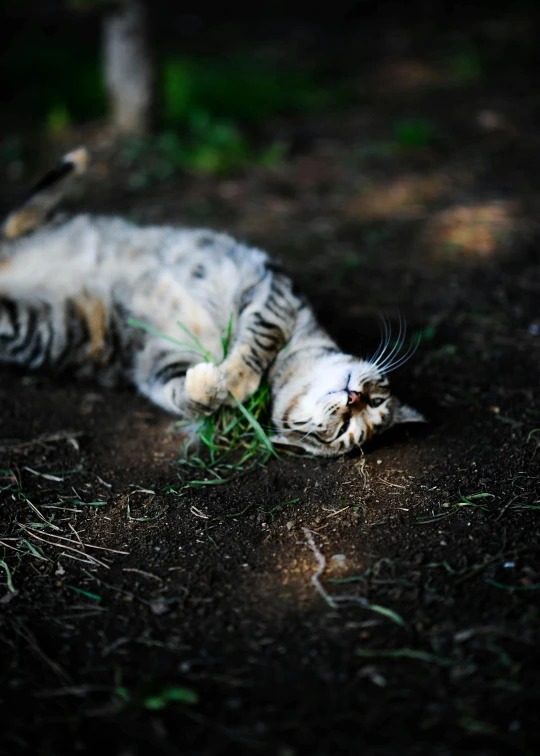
column 406, row 414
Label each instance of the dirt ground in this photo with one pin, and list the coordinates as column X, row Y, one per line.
column 204, row 623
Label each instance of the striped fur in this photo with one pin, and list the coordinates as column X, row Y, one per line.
column 67, row 293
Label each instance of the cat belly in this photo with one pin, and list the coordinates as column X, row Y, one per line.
column 180, row 312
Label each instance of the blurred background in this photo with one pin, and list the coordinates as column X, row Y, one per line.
column 401, row 129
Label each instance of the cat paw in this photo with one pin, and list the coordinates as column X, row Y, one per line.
column 206, row 386
column 241, row 380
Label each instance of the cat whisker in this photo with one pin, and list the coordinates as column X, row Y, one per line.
column 385, row 353
column 404, row 358
column 386, row 333
column 402, row 333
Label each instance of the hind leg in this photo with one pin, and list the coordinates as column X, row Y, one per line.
column 74, row 333
column 27, row 333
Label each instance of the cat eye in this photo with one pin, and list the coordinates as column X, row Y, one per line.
column 344, row 427
column 376, row 401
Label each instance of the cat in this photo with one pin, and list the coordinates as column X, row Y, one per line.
column 71, row 289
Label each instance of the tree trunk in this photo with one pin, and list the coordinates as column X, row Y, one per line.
column 128, row 66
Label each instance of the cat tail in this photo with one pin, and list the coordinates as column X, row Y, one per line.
column 45, row 195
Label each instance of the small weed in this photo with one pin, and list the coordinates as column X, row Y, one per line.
column 9, row 580
column 464, row 501
column 278, row 508
column 524, row 506
column 496, row 584
column 149, row 516
column 171, row 694
column 450, row 570
column 388, row 613
column 93, row 596
column 470, row 501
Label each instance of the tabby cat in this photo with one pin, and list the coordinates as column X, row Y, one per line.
column 68, row 290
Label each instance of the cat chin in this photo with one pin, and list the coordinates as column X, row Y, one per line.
column 402, row 414
column 322, row 451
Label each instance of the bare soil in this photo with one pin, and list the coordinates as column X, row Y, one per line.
column 217, row 590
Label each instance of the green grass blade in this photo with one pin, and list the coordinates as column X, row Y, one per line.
column 156, row 332
column 259, row 432
column 387, row 613
column 93, row 596
column 206, row 354
column 226, row 340
column 6, row 569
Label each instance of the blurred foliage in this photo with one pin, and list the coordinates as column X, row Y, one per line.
column 413, row 133
column 45, row 78
column 466, row 64
column 208, row 146
column 11, row 149
column 58, row 119
column 206, row 106
column 12, row 157
column 241, row 88
column 406, row 134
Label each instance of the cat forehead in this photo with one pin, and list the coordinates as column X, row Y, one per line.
column 375, row 384
column 357, row 374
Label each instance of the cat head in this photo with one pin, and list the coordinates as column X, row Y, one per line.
column 335, row 404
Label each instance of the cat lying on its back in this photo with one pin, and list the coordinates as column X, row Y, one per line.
column 68, row 290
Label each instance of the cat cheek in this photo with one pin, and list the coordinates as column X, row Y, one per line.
column 280, row 440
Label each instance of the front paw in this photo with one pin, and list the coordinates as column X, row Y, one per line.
column 206, row 386
column 241, row 380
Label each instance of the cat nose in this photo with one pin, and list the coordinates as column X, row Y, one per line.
column 353, row 397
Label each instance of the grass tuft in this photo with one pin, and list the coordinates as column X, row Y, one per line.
column 232, row 442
